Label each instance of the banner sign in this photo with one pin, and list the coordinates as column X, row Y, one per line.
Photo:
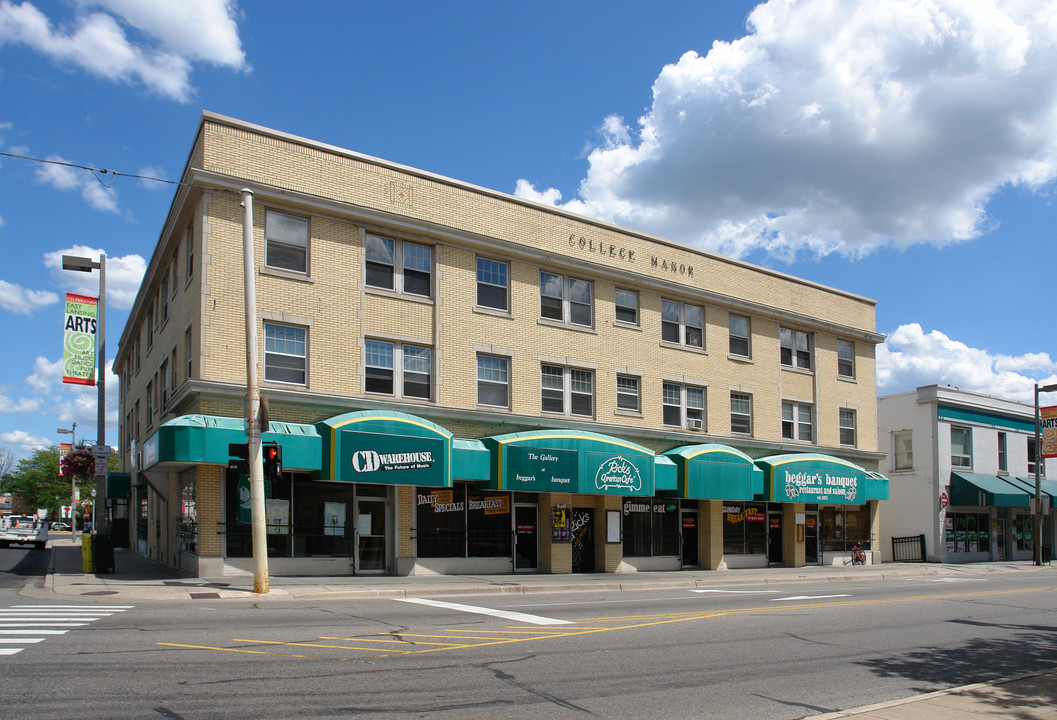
column 1048, row 429
column 78, row 343
column 64, row 450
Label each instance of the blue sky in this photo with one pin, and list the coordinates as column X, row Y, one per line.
column 901, row 150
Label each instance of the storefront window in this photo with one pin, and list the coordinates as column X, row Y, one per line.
column 462, row 521
column 744, row 529
column 968, row 532
column 188, row 512
column 1023, row 529
column 843, row 526
column 651, row 527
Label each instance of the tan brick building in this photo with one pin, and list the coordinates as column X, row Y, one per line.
column 462, row 380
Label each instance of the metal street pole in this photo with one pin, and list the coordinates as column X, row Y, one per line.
column 73, row 478
column 1038, row 471
column 253, row 396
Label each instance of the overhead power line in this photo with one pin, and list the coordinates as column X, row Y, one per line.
column 95, row 171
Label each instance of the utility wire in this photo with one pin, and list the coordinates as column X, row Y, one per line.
column 96, row 171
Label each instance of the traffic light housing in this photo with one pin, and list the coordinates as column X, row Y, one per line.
column 239, row 461
column 273, row 460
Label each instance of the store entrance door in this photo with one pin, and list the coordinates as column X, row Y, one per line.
column 690, row 555
column 811, row 539
column 526, row 538
column 774, row 538
column 583, row 527
column 1000, row 540
column 372, row 520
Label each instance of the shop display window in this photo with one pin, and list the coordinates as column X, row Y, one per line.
column 744, row 528
column 461, row 521
column 651, row 527
column 843, row 526
column 967, row 532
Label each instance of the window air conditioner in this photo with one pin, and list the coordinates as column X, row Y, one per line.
column 693, row 423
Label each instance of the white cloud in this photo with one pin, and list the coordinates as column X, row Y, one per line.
column 22, row 405
column 25, row 442
column 46, row 376
column 62, row 177
column 123, row 275
column 165, row 38
column 910, row 358
column 152, row 171
column 837, row 127
column 25, row 302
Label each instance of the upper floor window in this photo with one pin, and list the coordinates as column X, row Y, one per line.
column 903, row 450
column 190, row 253
column 847, row 427
column 798, row 421
column 961, row 447
column 741, row 413
column 164, row 385
column 286, row 241
column 566, row 299
column 570, row 391
column 174, row 272
column 399, row 265
column 398, row 365
column 739, row 336
column 1003, row 458
column 628, row 393
column 683, row 406
column 187, row 354
column 795, row 348
column 1033, row 459
column 845, row 359
column 627, row 306
column 150, row 402
column 164, row 302
column 150, row 327
column 285, row 353
column 682, row 324
column 493, row 284
column 493, row 381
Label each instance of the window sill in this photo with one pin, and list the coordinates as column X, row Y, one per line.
column 566, row 326
column 494, row 312
column 744, row 359
column 843, row 378
column 677, row 346
column 629, row 413
column 627, row 326
column 798, row 371
column 551, row 413
column 287, row 274
column 385, row 292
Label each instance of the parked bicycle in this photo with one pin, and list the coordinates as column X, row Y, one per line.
column 858, row 555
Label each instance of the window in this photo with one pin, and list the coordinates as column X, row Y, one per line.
column 187, row 353
column 135, row 420
column 190, row 252
column 903, row 449
column 150, row 402
column 285, row 353
column 135, row 353
column 651, row 526
column 744, row 528
column 628, row 393
column 847, row 427
column 845, row 359
column 1033, row 459
column 493, row 284
column 682, row 324
column 150, row 328
column 493, row 381
column 396, row 365
column 175, row 272
column 627, row 306
column 569, row 391
column 188, row 512
column 164, row 301
column 961, row 447
column 741, row 413
column 568, row 300
column 286, row 241
column 399, row 265
column 1003, row 461
column 163, row 386
column 795, row 348
column 683, row 406
column 739, row 336
column 462, row 521
column 971, row 532
column 797, row 421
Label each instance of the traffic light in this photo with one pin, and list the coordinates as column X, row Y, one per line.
column 240, row 458
column 273, row 461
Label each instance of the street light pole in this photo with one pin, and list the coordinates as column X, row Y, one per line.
column 83, row 264
column 1038, row 471
column 73, row 478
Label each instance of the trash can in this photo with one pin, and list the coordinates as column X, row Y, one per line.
column 86, row 554
column 1046, row 555
column 103, row 553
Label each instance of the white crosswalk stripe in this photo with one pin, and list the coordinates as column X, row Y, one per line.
column 31, row 624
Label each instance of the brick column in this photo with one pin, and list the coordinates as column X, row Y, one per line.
column 710, row 534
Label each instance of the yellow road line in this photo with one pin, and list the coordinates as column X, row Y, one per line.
column 379, row 640
column 209, row 647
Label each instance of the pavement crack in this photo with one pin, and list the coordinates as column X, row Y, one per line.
column 513, row 681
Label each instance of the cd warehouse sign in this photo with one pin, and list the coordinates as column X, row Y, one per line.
column 392, row 459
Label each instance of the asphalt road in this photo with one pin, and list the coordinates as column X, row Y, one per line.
column 765, row 651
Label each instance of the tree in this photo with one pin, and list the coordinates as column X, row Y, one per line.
column 36, row 483
column 7, row 462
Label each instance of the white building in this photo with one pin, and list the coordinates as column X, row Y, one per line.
column 961, row 467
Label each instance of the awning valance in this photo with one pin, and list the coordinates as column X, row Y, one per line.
column 193, row 439
column 979, row 490
column 386, row 447
column 813, row 478
column 716, row 472
column 118, row 486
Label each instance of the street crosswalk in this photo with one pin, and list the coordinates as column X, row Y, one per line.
column 22, row 626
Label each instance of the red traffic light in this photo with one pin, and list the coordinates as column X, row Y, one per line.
column 272, row 453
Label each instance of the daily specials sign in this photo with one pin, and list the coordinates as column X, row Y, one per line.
column 78, row 343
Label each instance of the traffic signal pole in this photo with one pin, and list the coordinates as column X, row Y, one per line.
column 253, row 395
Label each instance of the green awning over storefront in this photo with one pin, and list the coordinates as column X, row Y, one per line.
column 716, row 472
column 876, row 486
column 471, row 460
column 1049, row 487
column 979, row 490
column 386, row 447
column 118, row 486
column 570, row 461
column 665, row 475
column 193, row 439
column 813, row 478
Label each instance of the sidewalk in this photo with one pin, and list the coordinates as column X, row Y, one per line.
column 138, row 579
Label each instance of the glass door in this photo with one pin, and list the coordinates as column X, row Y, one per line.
column 371, row 529
column 526, row 537
column 690, row 556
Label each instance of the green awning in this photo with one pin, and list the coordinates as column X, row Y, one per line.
column 118, row 486
column 979, row 490
column 876, row 486
column 194, row 439
column 386, row 447
column 716, row 472
column 571, row 461
column 665, row 475
column 813, row 478
column 1049, row 487
column 471, row 460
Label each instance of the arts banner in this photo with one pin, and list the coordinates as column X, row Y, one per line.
column 78, row 343
column 1048, row 428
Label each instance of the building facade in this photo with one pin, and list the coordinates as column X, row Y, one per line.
column 464, row 381
column 962, row 468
